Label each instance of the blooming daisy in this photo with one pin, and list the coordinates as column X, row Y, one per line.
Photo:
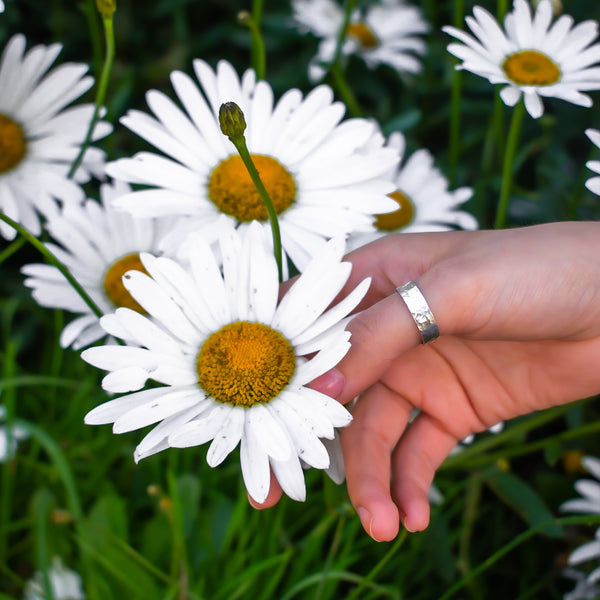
column 322, row 181
column 424, row 202
column 234, row 363
column 66, row 583
column 1, row 6
column 8, row 451
column 39, row 136
column 593, row 183
column 585, row 588
column 98, row 245
column 589, row 503
column 535, row 57
column 385, row 33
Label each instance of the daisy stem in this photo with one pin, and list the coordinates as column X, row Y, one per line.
column 455, row 96
column 54, row 261
column 508, row 165
column 109, row 36
column 258, row 55
column 335, row 68
column 240, row 144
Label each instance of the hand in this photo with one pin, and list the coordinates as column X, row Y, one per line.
column 519, row 314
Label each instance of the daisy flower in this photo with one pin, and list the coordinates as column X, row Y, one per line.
column 98, row 245
column 424, row 202
column 585, row 589
column 39, row 136
column 314, row 167
column 8, row 451
column 1, row 6
column 593, row 183
column 589, row 489
column 385, row 33
column 66, row 583
column 234, row 363
column 533, row 56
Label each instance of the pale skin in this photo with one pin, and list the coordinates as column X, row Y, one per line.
column 519, row 316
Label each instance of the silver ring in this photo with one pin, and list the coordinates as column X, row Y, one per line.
column 420, row 311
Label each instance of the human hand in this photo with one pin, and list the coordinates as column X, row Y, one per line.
column 519, row 316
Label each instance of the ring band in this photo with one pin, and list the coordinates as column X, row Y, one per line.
column 420, row 311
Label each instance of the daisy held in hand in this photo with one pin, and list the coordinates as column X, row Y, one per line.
column 40, row 137
column 233, row 362
column 533, row 56
column 322, row 180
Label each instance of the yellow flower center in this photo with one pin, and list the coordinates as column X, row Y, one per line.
column 12, row 144
column 399, row 218
column 113, row 281
column 245, row 363
column 363, row 34
column 530, row 67
column 232, row 191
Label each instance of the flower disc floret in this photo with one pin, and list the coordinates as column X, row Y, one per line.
column 530, row 67
column 399, row 218
column 12, row 144
column 245, row 363
column 363, row 34
column 113, row 281
column 232, row 191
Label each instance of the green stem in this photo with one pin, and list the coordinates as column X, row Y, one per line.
column 54, row 261
column 369, row 577
column 258, row 55
column 11, row 249
column 455, row 98
column 240, row 144
column 335, row 69
column 109, row 55
column 508, row 165
column 579, row 520
column 341, row 85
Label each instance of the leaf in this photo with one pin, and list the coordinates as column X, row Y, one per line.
column 524, row 500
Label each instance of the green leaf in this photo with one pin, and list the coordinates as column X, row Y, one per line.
column 524, row 500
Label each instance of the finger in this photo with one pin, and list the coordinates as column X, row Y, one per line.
column 379, row 418
column 420, row 452
column 378, row 336
column 272, row 498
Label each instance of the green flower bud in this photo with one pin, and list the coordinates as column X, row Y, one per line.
column 106, row 8
column 231, row 120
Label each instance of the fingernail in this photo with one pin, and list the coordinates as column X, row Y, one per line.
column 330, row 383
column 367, row 520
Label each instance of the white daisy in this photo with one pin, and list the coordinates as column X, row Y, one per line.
column 535, row 57
column 39, row 136
column 322, row 181
column 585, row 588
column 233, row 360
column 424, row 202
column 1, row 6
column 8, row 451
column 66, row 583
column 589, row 503
column 385, row 33
column 98, row 245
column 593, row 183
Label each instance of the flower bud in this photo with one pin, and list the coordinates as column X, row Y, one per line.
column 106, row 8
column 231, row 120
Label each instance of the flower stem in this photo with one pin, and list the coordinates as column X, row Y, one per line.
column 258, row 55
column 455, row 97
column 508, row 165
column 242, row 148
column 54, row 261
column 233, row 125
column 336, row 70
column 109, row 36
